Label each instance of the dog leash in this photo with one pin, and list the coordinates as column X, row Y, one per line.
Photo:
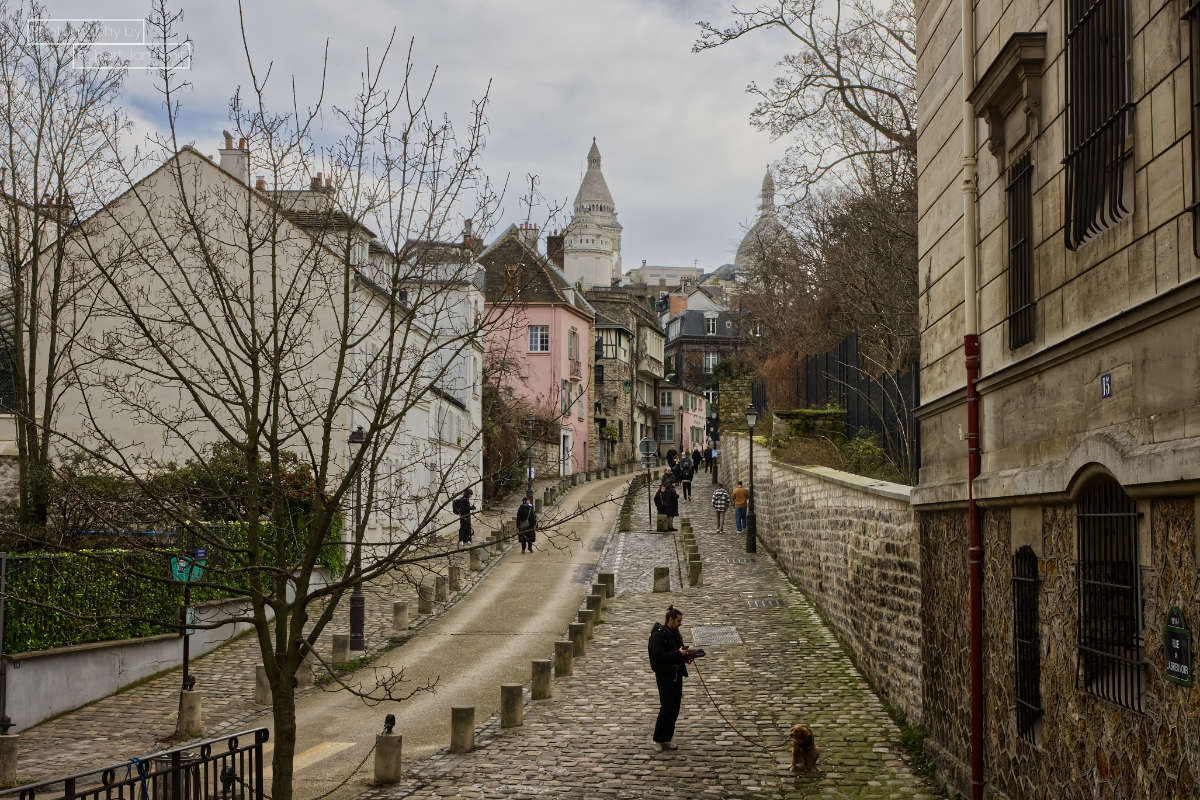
column 732, row 727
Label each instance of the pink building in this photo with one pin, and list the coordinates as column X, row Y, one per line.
column 681, row 418
column 543, row 339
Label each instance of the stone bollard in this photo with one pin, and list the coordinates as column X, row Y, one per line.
column 305, row 676
column 8, row 760
column 588, row 618
column 455, row 578
column 602, row 590
column 539, row 684
column 537, row 505
column 564, row 657
column 476, row 561
column 595, row 604
column 399, row 619
column 388, row 747
column 693, row 552
column 262, row 686
column 441, row 589
column 695, row 567
column 341, row 648
column 462, row 729
column 662, row 579
column 661, row 523
column 191, row 714
column 577, row 631
column 424, row 599
column 511, row 705
column 685, row 522
column 609, row 580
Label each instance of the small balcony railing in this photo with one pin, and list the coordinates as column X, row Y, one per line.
column 576, row 369
column 666, row 411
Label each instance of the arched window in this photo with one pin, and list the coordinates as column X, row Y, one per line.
column 1110, row 603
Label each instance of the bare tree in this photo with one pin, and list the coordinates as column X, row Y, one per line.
column 58, row 114
column 846, row 96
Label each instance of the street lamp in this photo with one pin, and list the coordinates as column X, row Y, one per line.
column 358, row 603
column 529, row 423
column 751, row 520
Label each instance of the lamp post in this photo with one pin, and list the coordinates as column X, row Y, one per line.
column 751, row 520
column 529, row 423
column 358, row 603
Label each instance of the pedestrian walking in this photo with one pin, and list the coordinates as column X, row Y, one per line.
column 715, row 464
column 526, row 524
column 687, row 470
column 669, row 660
column 720, row 504
column 670, row 503
column 741, row 498
column 697, row 459
column 671, row 456
column 707, row 458
column 462, row 506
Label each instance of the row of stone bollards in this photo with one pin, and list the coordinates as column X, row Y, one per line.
column 691, row 550
column 512, row 695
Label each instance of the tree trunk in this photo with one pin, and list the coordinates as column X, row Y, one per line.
column 283, row 709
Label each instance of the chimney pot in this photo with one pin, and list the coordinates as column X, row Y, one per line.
column 315, row 183
column 242, row 144
column 228, row 139
column 260, row 183
column 329, row 183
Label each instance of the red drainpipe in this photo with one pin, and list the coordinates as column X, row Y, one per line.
column 975, row 562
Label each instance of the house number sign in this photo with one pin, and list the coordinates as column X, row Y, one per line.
column 1177, row 642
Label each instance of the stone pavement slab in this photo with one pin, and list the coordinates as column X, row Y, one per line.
column 592, row 738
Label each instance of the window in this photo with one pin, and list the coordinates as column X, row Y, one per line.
column 599, row 368
column 710, row 362
column 573, row 344
column 1193, row 18
column 1110, row 613
column 664, row 400
column 620, row 430
column 1098, row 116
column 539, row 338
column 564, row 396
column 1020, row 252
column 666, row 431
column 710, row 326
column 1026, row 647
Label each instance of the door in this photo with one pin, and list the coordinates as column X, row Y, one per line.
column 564, row 454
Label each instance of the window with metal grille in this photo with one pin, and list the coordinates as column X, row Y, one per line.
column 1193, row 18
column 1021, row 306
column 1110, row 605
column 1026, row 650
column 1097, row 83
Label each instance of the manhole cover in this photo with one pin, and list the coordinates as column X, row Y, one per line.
column 709, row 635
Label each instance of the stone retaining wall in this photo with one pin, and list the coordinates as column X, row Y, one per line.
column 852, row 545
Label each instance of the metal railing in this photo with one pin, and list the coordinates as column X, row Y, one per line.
column 228, row 768
column 576, row 369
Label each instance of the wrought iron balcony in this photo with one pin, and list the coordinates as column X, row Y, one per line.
column 576, row 369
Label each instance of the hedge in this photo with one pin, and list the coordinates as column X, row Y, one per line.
column 119, row 593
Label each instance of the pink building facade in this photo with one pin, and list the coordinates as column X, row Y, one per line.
column 681, row 419
column 542, row 331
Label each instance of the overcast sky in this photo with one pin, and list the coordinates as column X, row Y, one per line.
column 680, row 156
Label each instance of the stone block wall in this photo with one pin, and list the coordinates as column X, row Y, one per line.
column 851, row 544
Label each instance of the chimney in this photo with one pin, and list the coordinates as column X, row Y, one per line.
column 529, row 234
column 317, row 182
column 260, row 183
column 235, row 160
column 556, row 249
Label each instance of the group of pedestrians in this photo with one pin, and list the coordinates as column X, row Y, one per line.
column 526, row 520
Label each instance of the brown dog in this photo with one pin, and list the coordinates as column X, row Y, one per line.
column 804, row 748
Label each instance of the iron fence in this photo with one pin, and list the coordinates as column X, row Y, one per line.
column 883, row 404
column 225, row 768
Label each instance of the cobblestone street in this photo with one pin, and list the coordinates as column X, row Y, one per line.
column 592, row 738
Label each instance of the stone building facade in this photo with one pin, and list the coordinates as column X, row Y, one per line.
column 1076, row 241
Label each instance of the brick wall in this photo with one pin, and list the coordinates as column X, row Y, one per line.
column 851, row 544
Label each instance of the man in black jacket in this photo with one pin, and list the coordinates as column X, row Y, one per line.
column 462, row 507
column 526, row 524
column 670, row 504
column 669, row 660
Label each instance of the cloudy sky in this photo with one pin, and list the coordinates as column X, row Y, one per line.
column 682, row 161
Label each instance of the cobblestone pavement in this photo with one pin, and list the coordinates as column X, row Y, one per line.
column 137, row 720
column 592, row 738
column 632, row 555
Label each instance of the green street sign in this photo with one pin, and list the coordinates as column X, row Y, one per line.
column 1177, row 644
column 186, row 569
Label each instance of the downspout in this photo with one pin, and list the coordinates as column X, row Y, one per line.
column 971, row 352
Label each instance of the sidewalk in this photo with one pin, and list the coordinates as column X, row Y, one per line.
column 592, row 738
column 134, row 721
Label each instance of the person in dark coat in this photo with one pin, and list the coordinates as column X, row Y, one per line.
column 669, row 660
column 696, row 459
column 670, row 504
column 671, row 456
column 707, row 458
column 526, row 524
column 462, row 506
column 686, row 470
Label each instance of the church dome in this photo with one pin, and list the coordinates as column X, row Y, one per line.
column 593, row 192
column 767, row 232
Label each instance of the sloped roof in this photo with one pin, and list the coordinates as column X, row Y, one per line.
column 538, row 279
